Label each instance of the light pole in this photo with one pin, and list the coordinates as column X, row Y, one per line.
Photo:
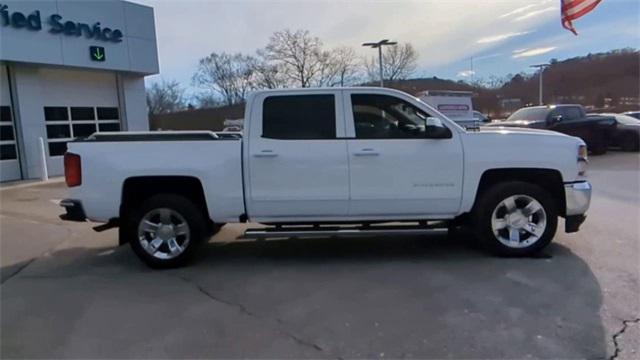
column 541, row 67
column 378, row 45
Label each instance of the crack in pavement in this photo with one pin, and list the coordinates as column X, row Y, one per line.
column 243, row 309
column 70, row 235
column 625, row 324
column 18, row 270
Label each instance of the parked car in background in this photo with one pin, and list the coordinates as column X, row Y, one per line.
column 627, row 132
column 480, row 117
column 635, row 114
column 568, row 119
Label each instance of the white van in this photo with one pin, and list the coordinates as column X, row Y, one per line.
column 456, row 105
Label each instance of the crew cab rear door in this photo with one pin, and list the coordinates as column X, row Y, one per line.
column 297, row 157
column 395, row 170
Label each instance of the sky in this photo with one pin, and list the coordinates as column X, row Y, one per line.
column 501, row 36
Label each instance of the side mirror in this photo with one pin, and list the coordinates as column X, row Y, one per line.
column 488, row 119
column 555, row 119
column 436, row 130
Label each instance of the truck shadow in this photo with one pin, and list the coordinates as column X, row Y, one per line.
column 468, row 302
column 428, row 297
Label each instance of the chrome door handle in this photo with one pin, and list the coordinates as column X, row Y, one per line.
column 265, row 153
column 366, row 152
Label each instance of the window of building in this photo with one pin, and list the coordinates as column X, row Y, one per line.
column 7, row 135
column 67, row 123
column 8, row 152
column 82, row 113
column 387, row 117
column 108, row 113
column 299, row 117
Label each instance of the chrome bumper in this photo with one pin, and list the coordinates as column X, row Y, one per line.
column 578, row 197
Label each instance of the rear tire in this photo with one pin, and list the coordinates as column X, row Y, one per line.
column 166, row 230
column 515, row 218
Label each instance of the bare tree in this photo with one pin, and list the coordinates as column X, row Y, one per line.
column 299, row 54
column 398, row 62
column 165, row 97
column 268, row 75
column 345, row 66
column 229, row 75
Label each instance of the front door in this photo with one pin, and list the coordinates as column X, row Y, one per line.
column 395, row 170
column 297, row 164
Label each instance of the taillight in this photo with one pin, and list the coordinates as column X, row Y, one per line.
column 72, row 169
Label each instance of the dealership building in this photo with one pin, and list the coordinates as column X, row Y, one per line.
column 69, row 69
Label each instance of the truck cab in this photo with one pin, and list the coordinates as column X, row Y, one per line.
column 354, row 153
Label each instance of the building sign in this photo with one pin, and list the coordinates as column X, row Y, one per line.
column 58, row 25
column 97, row 53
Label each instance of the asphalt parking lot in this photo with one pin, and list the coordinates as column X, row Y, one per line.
column 70, row 292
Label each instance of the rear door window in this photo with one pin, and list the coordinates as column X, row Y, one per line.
column 299, row 117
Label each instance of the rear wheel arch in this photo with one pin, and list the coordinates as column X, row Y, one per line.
column 135, row 190
column 548, row 179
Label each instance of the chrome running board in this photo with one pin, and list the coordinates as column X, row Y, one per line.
column 339, row 231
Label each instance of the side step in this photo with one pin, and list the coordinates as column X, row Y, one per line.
column 292, row 231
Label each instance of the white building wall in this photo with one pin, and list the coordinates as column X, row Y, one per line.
column 28, row 110
column 56, row 69
column 133, row 103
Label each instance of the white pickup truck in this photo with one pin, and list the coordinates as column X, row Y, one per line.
column 329, row 162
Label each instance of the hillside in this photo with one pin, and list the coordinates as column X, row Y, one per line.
column 595, row 80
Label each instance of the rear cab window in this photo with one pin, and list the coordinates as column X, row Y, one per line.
column 301, row 117
column 571, row 113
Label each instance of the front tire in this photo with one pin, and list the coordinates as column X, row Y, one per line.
column 515, row 218
column 598, row 145
column 165, row 230
column 630, row 142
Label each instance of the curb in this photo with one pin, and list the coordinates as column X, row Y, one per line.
column 29, row 183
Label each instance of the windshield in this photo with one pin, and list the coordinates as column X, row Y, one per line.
column 537, row 113
column 627, row 120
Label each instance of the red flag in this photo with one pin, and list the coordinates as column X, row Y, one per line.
column 574, row 9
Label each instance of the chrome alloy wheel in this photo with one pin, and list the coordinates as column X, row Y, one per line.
column 163, row 233
column 518, row 221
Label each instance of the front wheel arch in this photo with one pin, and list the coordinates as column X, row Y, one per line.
column 548, row 179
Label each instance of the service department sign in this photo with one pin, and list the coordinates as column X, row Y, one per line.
column 58, row 25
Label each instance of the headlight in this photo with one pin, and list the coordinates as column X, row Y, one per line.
column 583, row 159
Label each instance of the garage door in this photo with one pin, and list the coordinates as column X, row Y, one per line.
column 9, row 157
column 76, row 104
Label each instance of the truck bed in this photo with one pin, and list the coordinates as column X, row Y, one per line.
column 109, row 159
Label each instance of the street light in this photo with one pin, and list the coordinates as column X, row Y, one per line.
column 378, row 45
column 541, row 67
